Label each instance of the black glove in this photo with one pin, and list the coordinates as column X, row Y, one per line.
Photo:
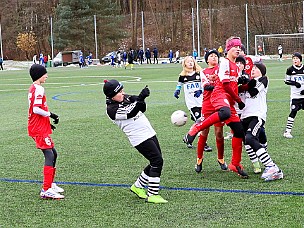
column 55, row 118
column 53, row 127
column 209, row 87
column 253, row 92
column 297, row 84
column 176, row 93
column 241, row 105
column 243, row 80
column 302, row 92
column 252, row 83
column 197, row 93
column 144, row 93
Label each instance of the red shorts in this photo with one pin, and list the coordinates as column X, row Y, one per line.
column 208, row 110
column 43, row 142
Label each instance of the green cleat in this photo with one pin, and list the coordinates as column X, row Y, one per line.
column 140, row 192
column 256, row 167
column 155, row 199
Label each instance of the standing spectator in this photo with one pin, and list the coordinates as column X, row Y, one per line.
column 189, row 78
column 280, row 52
column 45, row 60
column 155, row 55
column 170, row 56
column 253, row 119
column 124, row 57
column 220, row 51
column 41, row 59
column 223, row 99
column 148, row 55
column 118, row 57
column 1, row 63
column 194, row 54
column 40, row 129
column 128, row 113
column 35, row 59
column 141, row 55
column 177, row 56
column 293, row 78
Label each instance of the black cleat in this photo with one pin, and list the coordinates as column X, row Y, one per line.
column 207, row 148
column 199, row 165
column 188, row 139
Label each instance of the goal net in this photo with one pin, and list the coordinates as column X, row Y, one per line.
column 268, row 44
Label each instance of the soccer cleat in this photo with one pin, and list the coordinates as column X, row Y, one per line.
column 56, row 188
column 239, row 170
column 190, row 146
column 287, row 135
column 275, row 176
column 199, row 165
column 270, row 170
column 155, row 199
column 256, row 167
column 228, row 136
column 50, row 194
column 188, row 139
column 140, row 192
column 222, row 164
column 207, row 148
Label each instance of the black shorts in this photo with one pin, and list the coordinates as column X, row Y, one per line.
column 297, row 104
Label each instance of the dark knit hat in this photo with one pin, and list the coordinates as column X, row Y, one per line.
column 209, row 53
column 243, row 48
column 112, row 87
column 261, row 67
column 297, row 54
column 37, row 71
column 241, row 59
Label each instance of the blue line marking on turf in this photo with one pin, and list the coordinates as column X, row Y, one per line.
column 167, row 188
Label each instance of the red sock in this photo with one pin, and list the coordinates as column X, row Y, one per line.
column 197, row 127
column 220, row 148
column 200, row 146
column 237, row 147
column 48, row 172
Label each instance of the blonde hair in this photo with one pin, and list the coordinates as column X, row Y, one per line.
column 197, row 68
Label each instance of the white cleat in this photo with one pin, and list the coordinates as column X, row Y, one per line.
column 56, row 188
column 270, row 170
column 50, row 194
column 275, row 176
column 287, row 135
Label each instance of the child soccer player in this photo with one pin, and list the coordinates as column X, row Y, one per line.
column 190, row 79
column 128, row 113
column 223, row 98
column 208, row 76
column 253, row 119
column 294, row 78
column 40, row 129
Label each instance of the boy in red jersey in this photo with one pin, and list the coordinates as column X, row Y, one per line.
column 40, row 129
column 208, row 77
column 223, row 99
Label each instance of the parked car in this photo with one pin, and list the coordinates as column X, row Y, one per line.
column 107, row 57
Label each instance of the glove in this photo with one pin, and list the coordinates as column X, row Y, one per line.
column 252, row 83
column 209, row 87
column 197, row 93
column 53, row 127
column 144, row 93
column 243, row 80
column 176, row 93
column 241, row 105
column 302, row 92
column 55, row 118
column 253, row 92
column 297, row 84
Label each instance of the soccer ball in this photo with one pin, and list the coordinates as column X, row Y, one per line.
column 179, row 118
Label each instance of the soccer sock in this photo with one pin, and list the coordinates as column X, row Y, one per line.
column 236, row 151
column 153, row 186
column 48, row 172
column 289, row 124
column 264, row 157
column 142, row 180
column 54, row 173
column 220, row 147
column 252, row 155
column 197, row 127
column 200, row 146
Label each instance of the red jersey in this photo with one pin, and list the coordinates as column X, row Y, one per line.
column 228, row 72
column 37, row 125
column 208, row 77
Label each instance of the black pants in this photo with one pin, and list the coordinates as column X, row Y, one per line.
column 150, row 149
